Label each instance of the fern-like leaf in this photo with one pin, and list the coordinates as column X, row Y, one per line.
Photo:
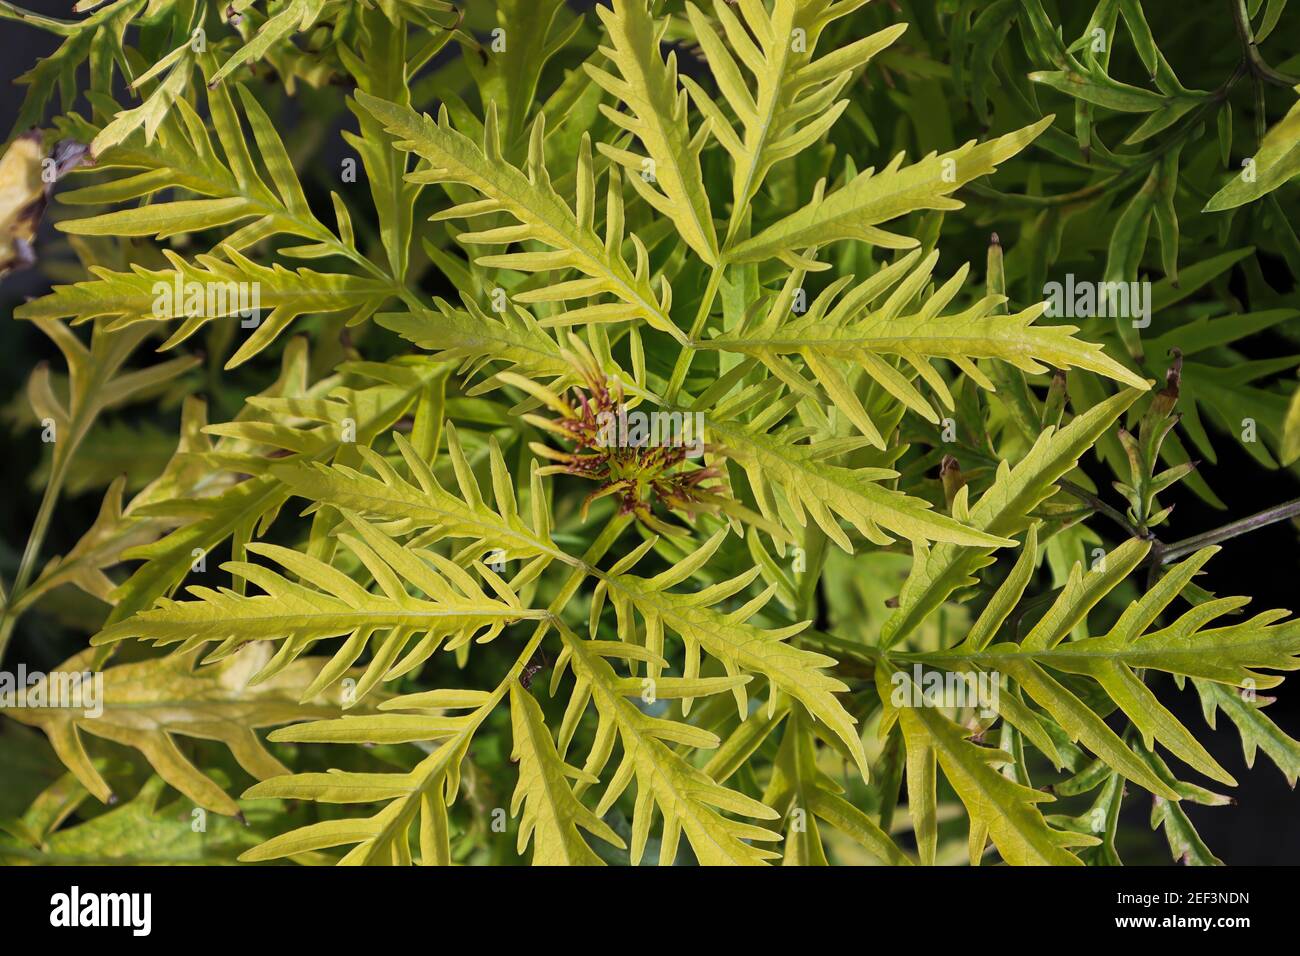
column 688, row 799
column 552, row 814
column 541, row 214
column 146, row 704
column 1002, row 509
column 854, row 210
column 1006, row 809
column 207, row 289
column 741, row 647
column 793, row 99
column 453, row 608
column 658, row 117
column 887, row 316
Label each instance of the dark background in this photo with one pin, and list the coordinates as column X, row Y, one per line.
column 1264, row 826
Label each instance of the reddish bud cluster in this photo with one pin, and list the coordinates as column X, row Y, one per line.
column 636, row 475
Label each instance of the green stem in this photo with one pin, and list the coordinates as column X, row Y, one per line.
column 430, row 770
column 1046, row 202
column 27, row 566
column 1096, row 504
column 1254, row 59
column 840, row 647
column 688, row 352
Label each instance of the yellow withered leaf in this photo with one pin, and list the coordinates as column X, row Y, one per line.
column 27, row 178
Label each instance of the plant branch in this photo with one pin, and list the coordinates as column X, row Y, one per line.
column 697, row 326
column 1172, row 552
column 1096, row 504
column 1254, row 59
column 27, row 566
